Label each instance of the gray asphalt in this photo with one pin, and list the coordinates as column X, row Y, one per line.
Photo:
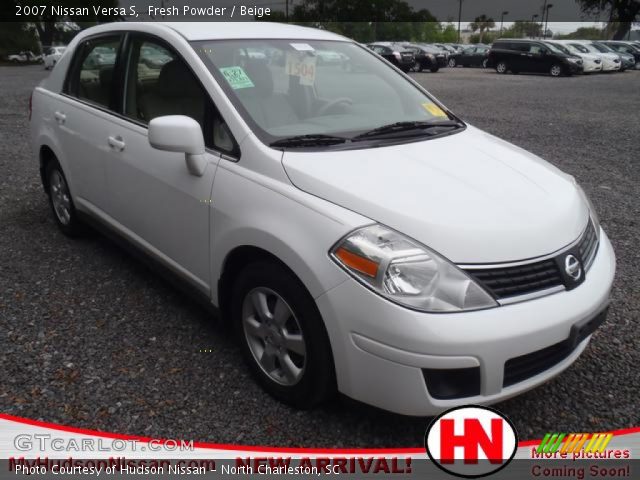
column 90, row 337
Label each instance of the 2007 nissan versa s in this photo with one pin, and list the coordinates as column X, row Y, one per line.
column 358, row 234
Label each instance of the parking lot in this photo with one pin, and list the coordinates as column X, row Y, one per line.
column 92, row 338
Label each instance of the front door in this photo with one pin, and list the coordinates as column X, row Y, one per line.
column 154, row 196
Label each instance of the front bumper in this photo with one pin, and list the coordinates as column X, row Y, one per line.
column 383, row 351
column 574, row 67
column 591, row 67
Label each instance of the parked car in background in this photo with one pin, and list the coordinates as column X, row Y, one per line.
column 24, row 57
column 470, row 57
column 627, row 60
column 426, row 57
column 447, row 48
column 395, row 53
column 52, row 55
column 625, row 48
column 591, row 63
column 355, row 233
column 610, row 61
column 532, row 56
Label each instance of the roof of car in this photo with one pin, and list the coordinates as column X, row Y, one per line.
column 247, row 30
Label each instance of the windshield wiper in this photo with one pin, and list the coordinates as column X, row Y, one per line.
column 311, row 140
column 398, row 127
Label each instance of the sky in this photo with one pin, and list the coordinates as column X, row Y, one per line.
column 564, row 16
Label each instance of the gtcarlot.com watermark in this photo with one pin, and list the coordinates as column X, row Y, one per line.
column 44, row 442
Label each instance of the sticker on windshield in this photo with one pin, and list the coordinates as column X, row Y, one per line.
column 236, row 77
column 302, row 47
column 303, row 66
column 434, row 109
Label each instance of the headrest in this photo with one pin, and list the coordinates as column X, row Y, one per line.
column 106, row 77
column 176, row 80
column 261, row 76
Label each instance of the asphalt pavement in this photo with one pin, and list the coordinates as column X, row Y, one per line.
column 90, row 337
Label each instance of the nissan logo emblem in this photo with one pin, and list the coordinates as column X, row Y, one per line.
column 572, row 267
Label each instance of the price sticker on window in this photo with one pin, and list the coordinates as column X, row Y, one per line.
column 303, row 66
column 434, row 109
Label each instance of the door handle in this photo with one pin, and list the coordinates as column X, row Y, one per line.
column 60, row 117
column 116, row 143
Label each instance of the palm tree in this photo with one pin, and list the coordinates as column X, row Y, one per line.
column 481, row 24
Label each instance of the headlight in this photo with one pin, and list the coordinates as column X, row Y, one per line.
column 592, row 210
column 405, row 272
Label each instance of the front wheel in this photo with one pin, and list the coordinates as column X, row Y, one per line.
column 452, row 62
column 417, row 67
column 282, row 335
column 555, row 70
column 501, row 67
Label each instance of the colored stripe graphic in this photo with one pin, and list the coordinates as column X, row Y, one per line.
column 574, row 442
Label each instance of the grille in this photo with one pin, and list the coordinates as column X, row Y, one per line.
column 521, row 280
column 520, row 368
column 526, row 366
column 513, row 281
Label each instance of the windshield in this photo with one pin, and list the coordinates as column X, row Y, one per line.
column 290, row 88
column 583, row 48
column 601, row 48
column 558, row 48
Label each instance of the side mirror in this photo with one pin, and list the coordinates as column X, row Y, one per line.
column 179, row 133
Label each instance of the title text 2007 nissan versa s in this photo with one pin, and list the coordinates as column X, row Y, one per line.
column 358, row 235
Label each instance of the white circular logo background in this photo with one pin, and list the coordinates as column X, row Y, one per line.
column 479, row 419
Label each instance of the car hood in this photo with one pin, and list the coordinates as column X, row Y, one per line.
column 470, row 196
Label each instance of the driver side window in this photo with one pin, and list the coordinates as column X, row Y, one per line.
column 160, row 83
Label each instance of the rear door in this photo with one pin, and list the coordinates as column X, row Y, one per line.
column 86, row 105
column 155, row 198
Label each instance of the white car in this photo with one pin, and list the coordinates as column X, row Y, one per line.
column 24, row 57
column 52, row 56
column 610, row 61
column 591, row 62
column 358, row 235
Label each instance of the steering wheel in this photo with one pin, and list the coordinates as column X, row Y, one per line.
column 336, row 101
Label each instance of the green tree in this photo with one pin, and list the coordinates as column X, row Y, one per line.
column 47, row 24
column 480, row 24
column 584, row 33
column 623, row 12
column 523, row 29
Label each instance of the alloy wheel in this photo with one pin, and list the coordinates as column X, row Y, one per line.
column 60, row 197
column 274, row 336
column 556, row 70
column 501, row 67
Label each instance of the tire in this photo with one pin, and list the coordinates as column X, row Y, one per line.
column 303, row 375
column 485, row 62
column 417, row 67
column 62, row 207
column 452, row 63
column 434, row 69
column 502, row 67
column 556, row 70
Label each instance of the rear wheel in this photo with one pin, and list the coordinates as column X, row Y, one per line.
column 485, row 62
column 555, row 70
column 64, row 211
column 452, row 62
column 434, row 69
column 502, row 67
column 282, row 335
column 417, row 67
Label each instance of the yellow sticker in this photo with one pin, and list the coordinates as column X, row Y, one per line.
column 434, row 110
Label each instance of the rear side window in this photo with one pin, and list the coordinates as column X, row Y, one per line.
column 92, row 73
